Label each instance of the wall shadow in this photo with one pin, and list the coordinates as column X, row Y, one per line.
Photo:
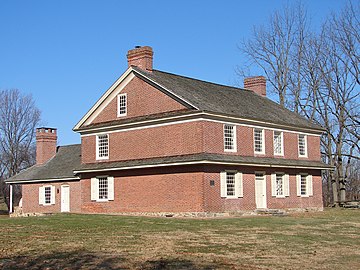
column 81, row 259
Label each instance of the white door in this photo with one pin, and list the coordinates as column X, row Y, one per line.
column 260, row 190
column 65, row 198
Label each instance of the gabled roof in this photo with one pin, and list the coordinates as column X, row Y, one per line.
column 204, row 96
column 227, row 100
column 60, row 167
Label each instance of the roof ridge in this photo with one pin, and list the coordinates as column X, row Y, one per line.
column 199, row 80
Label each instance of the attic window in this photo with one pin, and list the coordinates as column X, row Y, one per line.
column 122, row 105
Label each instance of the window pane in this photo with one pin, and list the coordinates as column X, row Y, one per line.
column 279, row 184
column 258, row 140
column 103, row 188
column 302, row 145
column 47, row 195
column 122, row 104
column 103, row 145
column 303, row 184
column 230, row 183
column 277, row 143
column 229, row 137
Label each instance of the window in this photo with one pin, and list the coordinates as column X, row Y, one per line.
column 122, row 105
column 229, row 138
column 278, row 143
column 102, row 146
column 302, row 145
column 304, row 185
column 102, row 188
column 47, row 195
column 259, row 141
column 231, row 184
column 280, row 185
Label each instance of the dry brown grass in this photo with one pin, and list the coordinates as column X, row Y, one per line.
column 325, row 240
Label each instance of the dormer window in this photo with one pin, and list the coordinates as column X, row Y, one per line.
column 122, row 105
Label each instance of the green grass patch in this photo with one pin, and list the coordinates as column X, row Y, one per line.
column 323, row 240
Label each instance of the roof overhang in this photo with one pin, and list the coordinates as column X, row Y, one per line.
column 200, row 162
column 42, row 180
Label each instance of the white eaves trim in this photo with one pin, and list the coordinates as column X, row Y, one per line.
column 42, row 180
column 198, row 116
column 103, row 98
column 200, row 162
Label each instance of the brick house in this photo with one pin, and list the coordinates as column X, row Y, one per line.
column 159, row 142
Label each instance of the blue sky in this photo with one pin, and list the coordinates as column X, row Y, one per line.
column 67, row 53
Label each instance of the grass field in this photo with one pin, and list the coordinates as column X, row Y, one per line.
column 323, row 240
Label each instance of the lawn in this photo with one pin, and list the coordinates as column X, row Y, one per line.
column 323, row 240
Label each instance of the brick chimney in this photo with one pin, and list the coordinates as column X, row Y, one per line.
column 46, row 140
column 256, row 84
column 141, row 57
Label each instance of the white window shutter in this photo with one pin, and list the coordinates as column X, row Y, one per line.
column 110, row 188
column 94, row 189
column 298, row 185
column 41, row 195
column 239, row 185
column 310, row 185
column 52, row 198
column 223, row 184
column 286, row 185
column 273, row 184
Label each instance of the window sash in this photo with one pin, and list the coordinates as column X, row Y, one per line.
column 229, row 138
column 102, row 146
column 122, row 105
column 278, row 142
column 259, row 140
column 303, row 185
column 230, row 184
column 302, row 145
column 279, row 184
column 47, row 195
column 103, row 188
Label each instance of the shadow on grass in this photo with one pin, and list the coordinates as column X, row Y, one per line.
column 87, row 260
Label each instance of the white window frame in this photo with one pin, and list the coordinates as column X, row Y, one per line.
column 233, row 138
column 95, row 188
column 238, row 184
column 305, row 145
column 308, row 183
column 98, row 157
column 281, row 143
column 119, row 97
column 262, row 141
column 42, row 196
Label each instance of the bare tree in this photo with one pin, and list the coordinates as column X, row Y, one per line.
column 18, row 119
column 316, row 74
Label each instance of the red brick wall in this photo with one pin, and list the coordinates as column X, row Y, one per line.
column 214, row 203
column 142, row 99
column 153, row 191
column 30, row 197
column 214, row 142
column 185, row 138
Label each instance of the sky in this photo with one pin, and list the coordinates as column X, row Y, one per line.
column 67, row 53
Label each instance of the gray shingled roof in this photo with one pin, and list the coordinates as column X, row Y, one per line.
column 205, row 158
column 60, row 166
column 211, row 97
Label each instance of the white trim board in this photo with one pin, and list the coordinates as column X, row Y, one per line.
column 43, row 180
column 178, row 120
